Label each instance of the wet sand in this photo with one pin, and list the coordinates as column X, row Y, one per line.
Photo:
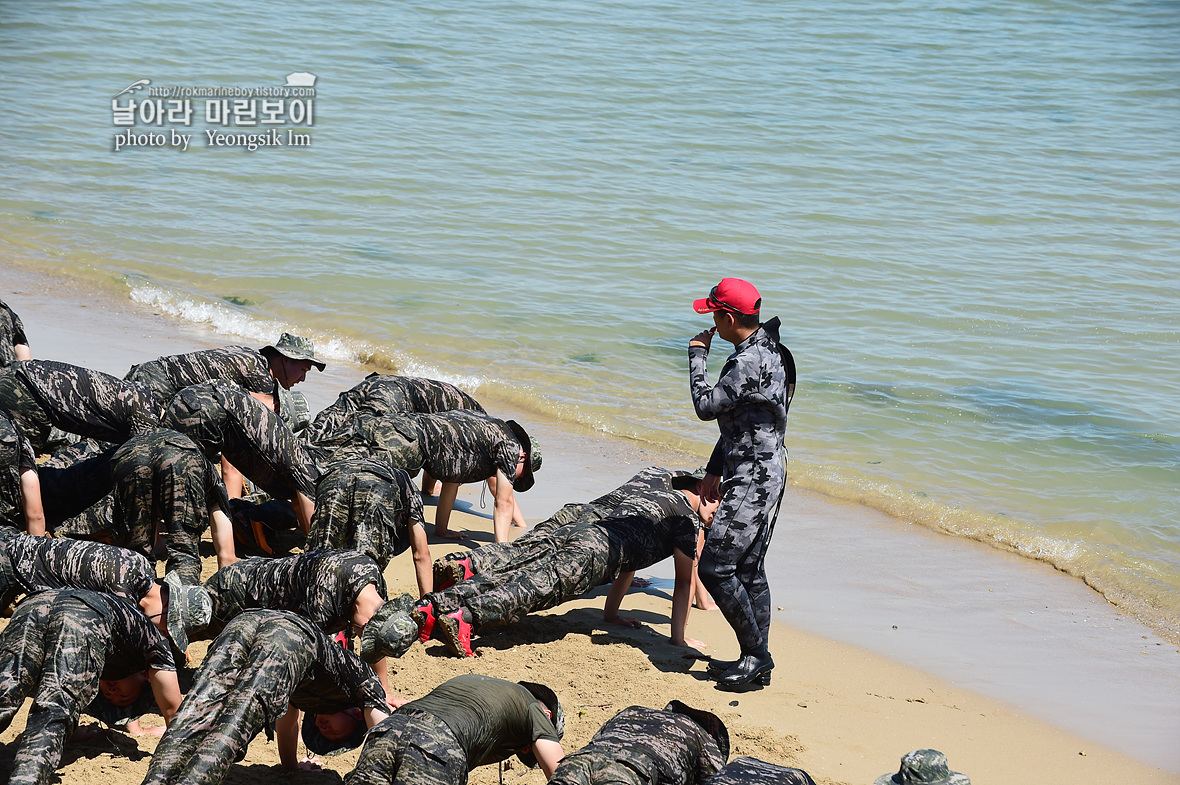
column 974, row 619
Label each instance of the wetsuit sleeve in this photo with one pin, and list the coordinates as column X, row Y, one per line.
column 731, row 389
column 716, row 465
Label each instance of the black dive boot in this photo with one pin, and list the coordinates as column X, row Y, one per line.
column 750, row 672
column 718, row 667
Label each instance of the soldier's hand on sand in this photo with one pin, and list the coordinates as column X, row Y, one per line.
column 310, row 763
column 640, row 583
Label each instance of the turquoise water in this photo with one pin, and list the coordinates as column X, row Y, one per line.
column 966, row 215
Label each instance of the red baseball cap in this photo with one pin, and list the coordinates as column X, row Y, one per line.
column 732, row 294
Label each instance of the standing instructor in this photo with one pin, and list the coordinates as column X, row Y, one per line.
column 750, row 403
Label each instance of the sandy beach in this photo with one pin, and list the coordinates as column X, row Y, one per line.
column 843, row 714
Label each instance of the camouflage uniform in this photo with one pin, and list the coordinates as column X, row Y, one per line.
column 640, row 746
column 468, row 721
column 751, row 771
column 16, row 457
column 163, row 476
column 320, row 586
column 366, row 506
column 57, row 646
column 224, row 419
column 30, row 564
column 393, row 439
column 41, row 394
column 247, row 368
column 12, row 332
column 383, row 395
column 750, row 404
column 649, row 519
column 466, row 446
column 263, row 661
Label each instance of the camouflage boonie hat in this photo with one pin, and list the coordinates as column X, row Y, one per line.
column 295, row 347
column 189, row 608
column 532, row 457
column 549, row 698
column 320, row 744
column 390, row 632
column 924, row 767
column 707, row 720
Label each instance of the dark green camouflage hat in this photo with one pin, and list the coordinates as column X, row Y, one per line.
column 532, row 457
column 295, row 347
column 924, row 767
column 189, row 608
column 390, row 632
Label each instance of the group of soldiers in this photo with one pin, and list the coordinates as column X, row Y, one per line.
column 140, row 468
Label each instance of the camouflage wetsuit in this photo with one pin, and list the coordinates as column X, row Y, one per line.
column 57, row 646
column 29, row 564
column 365, row 505
column 223, row 419
column 641, row 746
column 468, row 721
column 320, row 586
column 16, row 458
column 750, row 404
column 12, row 332
column 751, row 771
column 162, row 476
column 650, row 519
column 263, row 661
column 42, row 394
column 381, row 395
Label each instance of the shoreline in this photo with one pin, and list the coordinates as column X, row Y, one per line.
column 113, row 335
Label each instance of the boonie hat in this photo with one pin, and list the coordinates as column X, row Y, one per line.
column 320, row 744
column 733, row 295
column 549, row 698
column 924, row 767
column 189, row 608
column 390, row 632
column 707, row 720
column 295, row 347
column 532, row 457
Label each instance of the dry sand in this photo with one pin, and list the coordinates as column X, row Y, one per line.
column 840, row 713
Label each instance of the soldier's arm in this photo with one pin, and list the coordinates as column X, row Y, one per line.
column 548, row 754
column 682, row 599
column 166, row 688
column 232, row 479
column 287, row 738
column 22, row 352
column 30, row 491
column 711, row 401
column 614, row 598
column 504, row 507
column 423, row 563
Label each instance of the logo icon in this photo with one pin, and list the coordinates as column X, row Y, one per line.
column 300, row 79
column 138, row 84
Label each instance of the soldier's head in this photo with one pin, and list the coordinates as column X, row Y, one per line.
column 710, row 722
column 125, row 691
column 186, row 609
column 290, row 358
column 529, row 460
column 552, row 708
column 735, row 305
column 390, row 631
column 154, row 605
column 332, row 734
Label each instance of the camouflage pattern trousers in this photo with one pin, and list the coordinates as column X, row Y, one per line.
column 410, row 748
column 162, row 477
column 365, row 505
column 580, row 559
column 537, row 542
column 733, row 563
column 598, row 767
column 55, row 649
column 244, row 684
column 752, row 771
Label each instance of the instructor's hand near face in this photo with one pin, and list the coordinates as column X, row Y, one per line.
column 703, row 338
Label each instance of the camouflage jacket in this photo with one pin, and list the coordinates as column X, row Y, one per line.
column 647, row 516
column 90, row 403
column 133, row 643
column 661, row 747
column 16, row 457
column 12, row 332
column 320, row 586
column 338, row 680
column 247, row 368
column 39, row 563
column 749, row 402
column 466, row 446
